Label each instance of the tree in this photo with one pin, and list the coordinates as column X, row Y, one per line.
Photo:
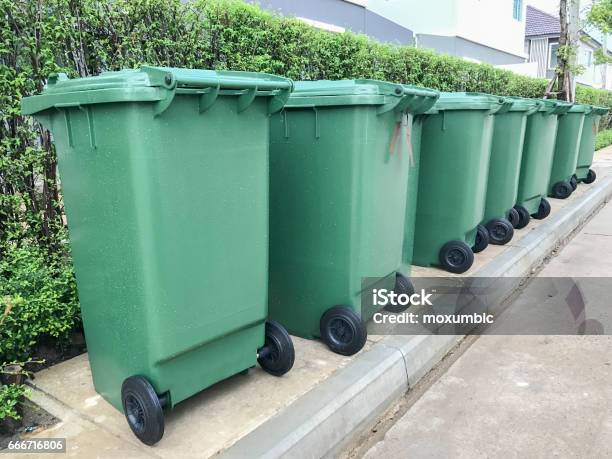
column 600, row 16
column 569, row 18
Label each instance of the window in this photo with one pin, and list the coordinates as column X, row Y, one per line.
column 552, row 55
column 517, row 12
column 588, row 57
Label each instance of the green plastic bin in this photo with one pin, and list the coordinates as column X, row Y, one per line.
column 569, row 133
column 584, row 173
column 538, row 151
column 413, row 177
column 339, row 163
column 500, row 217
column 455, row 150
column 165, row 180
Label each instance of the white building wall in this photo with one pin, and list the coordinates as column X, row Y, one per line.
column 487, row 22
column 491, row 23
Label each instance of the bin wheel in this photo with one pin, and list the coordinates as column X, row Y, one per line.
column 343, row 330
column 543, row 210
column 482, row 239
column 403, row 286
column 513, row 217
column 500, row 231
column 561, row 190
column 574, row 182
column 143, row 409
column 277, row 354
column 523, row 217
column 591, row 176
column 456, row 257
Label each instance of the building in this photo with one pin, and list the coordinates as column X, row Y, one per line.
column 477, row 30
column 341, row 15
column 542, row 33
column 489, row 31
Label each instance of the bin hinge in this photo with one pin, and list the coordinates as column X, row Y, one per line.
column 161, row 105
column 246, row 99
column 387, row 107
column 208, row 98
column 278, row 101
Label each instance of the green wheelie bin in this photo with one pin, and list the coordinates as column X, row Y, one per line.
column 339, row 162
column 538, row 151
column 165, row 180
column 569, row 133
column 413, row 177
column 584, row 173
column 500, row 217
column 455, row 150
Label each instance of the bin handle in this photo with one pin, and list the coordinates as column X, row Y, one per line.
column 169, row 81
column 505, row 106
column 534, row 109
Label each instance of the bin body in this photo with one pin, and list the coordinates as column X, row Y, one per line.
column 506, row 155
column 454, row 162
column 567, row 145
column 338, row 197
column 538, row 150
column 586, row 149
column 167, row 210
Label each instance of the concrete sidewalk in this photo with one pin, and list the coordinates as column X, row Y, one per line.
column 524, row 396
column 240, row 412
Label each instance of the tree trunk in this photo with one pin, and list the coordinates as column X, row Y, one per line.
column 562, row 69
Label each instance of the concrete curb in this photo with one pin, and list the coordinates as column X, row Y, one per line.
column 330, row 415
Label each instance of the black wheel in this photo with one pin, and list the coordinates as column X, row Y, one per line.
column 574, row 182
column 343, row 330
column 482, row 239
column 561, row 190
column 403, row 286
column 543, row 210
column 523, row 217
column 591, row 176
column 456, row 257
column 500, row 231
column 143, row 409
column 277, row 354
column 513, row 217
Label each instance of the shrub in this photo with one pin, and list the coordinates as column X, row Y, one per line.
column 10, row 397
column 37, row 299
column 603, row 139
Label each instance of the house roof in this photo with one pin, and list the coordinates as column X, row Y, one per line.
column 540, row 23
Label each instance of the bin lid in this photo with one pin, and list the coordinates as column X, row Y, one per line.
column 580, row 108
column 600, row 110
column 551, row 106
column 522, row 104
column 361, row 92
column 469, row 101
column 146, row 84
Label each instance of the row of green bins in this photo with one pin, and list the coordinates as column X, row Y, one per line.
column 584, row 173
column 340, row 156
column 569, row 134
column 538, row 151
column 500, row 217
column 165, row 180
column 453, row 171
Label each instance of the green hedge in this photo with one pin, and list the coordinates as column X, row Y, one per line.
column 86, row 37
column 603, row 139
